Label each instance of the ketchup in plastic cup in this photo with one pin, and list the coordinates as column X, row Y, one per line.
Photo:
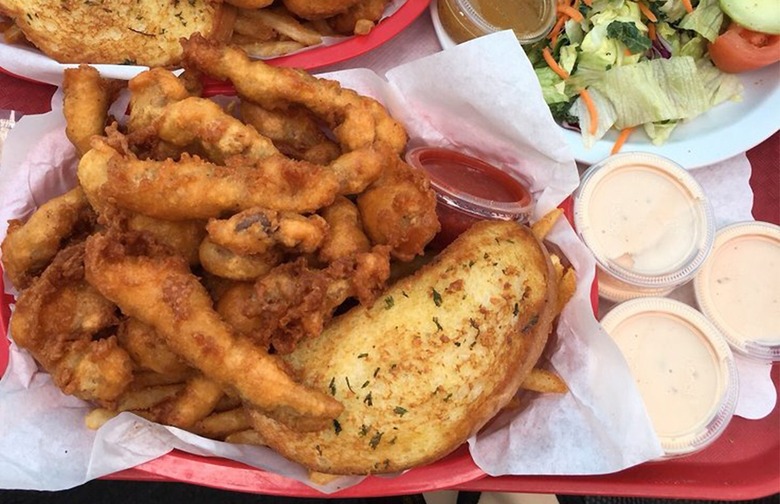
column 468, row 190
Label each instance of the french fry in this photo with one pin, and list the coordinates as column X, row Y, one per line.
column 97, row 417
column 146, row 398
column 284, row 24
column 223, row 424
column 364, row 26
column 542, row 227
column 566, row 287
column 271, row 49
column 545, row 382
column 248, row 436
column 193, row 403
column 247, row 28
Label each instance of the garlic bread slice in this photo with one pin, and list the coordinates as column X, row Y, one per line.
column 431, row 361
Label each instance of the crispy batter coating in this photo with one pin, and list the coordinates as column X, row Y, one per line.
column 56, row 318
column 318, row 9
column 357, row 121
column 87, row 98
column 193, row 188
column 345, row 231
column 399, row 210
column 224, row 263
column 221, row 136
column 166, row 296
column 295, row 131
column 257, row 230
column 363, row 12
column 294, row 301
column 148, row 350
column 28, row 247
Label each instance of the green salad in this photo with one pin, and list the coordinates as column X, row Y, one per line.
column 621, row 65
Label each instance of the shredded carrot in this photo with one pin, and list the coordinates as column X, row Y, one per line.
column 592, row 111
column 571, row 12
column 554, row 64
column 688, row 6
column 647, row 12
column 627, row 51
column 621, row 139
column 651, row 31
column 553, row 35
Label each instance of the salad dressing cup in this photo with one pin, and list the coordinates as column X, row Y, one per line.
column 463, row 20
column 647, row 222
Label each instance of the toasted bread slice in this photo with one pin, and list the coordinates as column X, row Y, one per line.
column 425, row 367
column 142, row 32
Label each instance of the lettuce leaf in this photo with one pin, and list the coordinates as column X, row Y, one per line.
column 706, row 19
column 654, row 91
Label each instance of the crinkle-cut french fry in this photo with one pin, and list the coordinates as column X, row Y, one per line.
column 542, row 227
column 146, row 398
column 248, row 436
column 544, row 381
column 222, row 424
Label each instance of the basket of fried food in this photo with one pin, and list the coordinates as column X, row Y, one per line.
column 147, row 32
column 243, row 272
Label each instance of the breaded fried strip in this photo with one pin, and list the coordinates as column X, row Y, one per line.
column 345, row 234
column 356, row 120
column 221, row 135
column 225, row 263
column 257, row 230
column 196, row 189
column 56, row 318
column 399, row 210
column 28, row 247
column 87, row 97
column 147, row 349
column 293, row 130
column 168, row 297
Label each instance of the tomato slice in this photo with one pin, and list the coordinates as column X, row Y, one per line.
column 740, row 50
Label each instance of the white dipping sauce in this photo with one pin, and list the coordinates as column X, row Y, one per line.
column 738, row 288
column 682, row 367
column 647, row 222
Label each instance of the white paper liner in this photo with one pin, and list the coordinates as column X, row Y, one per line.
column 601, row 426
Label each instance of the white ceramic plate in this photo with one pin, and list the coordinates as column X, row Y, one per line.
column 723, row 132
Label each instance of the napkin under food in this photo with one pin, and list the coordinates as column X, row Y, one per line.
column 467, row 98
